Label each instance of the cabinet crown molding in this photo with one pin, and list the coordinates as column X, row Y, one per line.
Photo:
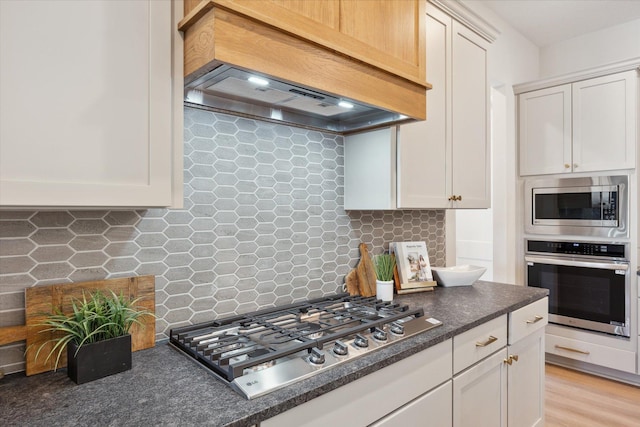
column 589, row 73
column 461, row 13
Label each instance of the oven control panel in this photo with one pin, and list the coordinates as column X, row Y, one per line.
column 595, row 249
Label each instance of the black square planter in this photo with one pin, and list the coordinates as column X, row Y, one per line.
column 98, row 359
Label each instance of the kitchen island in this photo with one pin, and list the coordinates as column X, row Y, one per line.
column 166, row 388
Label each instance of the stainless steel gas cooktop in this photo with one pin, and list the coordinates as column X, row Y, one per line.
column 260, row 352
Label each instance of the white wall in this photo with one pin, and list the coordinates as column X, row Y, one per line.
column 512, row 59
column 590, row 50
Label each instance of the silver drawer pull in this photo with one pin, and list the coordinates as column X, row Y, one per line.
column 535, row 319
column 489, row 340
column 572, row 349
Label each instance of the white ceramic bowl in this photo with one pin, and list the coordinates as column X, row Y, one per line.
column 459, row 275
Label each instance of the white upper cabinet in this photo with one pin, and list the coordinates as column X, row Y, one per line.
column 545, row 131
column 369, row 181
column 584, row 126
column 471, row 161
column 86, row 110
column 605, row 115
column 443, row 162
column 424, row 148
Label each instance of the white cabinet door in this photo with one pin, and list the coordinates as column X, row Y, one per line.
column 424, row 148
column 448, row 154
column 525, row 381
column 370, row 170
column 471, row 175
column 480, row 394
column 585, row 126
column 433, row 409
column 545, row 131
column 605, row 115
column 86, row 107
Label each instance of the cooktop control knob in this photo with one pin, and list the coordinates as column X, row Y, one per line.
column 396, row 329
column 340, row 348
column 316, row 356
column 379, row 334
column 361, row 341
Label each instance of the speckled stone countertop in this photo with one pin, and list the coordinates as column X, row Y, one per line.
column 165, row 387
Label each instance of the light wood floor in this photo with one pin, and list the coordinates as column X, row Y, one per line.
column 575, row 399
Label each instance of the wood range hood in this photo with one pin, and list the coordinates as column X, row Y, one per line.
column 317, row 68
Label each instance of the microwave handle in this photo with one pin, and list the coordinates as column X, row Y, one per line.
column 574, row 263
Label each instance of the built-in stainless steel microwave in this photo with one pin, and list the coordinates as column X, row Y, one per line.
column 591, row 206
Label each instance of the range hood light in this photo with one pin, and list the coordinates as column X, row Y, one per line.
column 345, row 104
column 402, row 117
column 276, row 114
column 195, row 96
column 258, row 81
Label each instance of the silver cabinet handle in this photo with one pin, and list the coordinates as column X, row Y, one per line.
column 572, row 349
column 536, row 319
column 488, row 341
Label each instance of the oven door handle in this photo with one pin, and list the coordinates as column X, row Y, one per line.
column 574, row 263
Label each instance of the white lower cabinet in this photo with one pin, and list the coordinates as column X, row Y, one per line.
column 376, row 395
column 505, row 389
column 525, row 379
column 504, row 384
column 491, row 375
column 525, row 360
column 433, row 409
column 480, row 393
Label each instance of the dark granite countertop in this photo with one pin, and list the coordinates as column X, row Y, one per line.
column 166, row 388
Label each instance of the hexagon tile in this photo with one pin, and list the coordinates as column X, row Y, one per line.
column 263, row 225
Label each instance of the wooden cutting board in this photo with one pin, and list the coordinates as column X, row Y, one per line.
column 351, row 282
column 40, row 300
column 366, row 273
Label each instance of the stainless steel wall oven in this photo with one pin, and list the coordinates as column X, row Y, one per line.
column 589, row 283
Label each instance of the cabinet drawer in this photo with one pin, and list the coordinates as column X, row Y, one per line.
column 478, row 343
column 528, row 319
column 600, row 355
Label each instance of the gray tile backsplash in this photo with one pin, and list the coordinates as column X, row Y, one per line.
column 263, row 225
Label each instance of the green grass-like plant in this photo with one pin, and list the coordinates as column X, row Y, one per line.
column 97, row 317
column 384, row 265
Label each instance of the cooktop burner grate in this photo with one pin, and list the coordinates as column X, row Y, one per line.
column 242, row 345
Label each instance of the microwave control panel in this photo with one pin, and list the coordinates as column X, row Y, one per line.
column 606, row 250
column 609, row 204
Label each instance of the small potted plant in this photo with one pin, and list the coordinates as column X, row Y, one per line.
column 96, row 335
column 384, row 266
